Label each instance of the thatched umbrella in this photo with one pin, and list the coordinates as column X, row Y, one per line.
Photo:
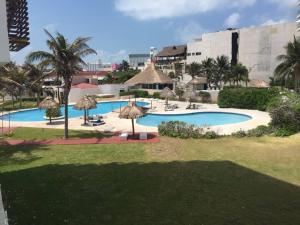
column 49, row 103
column 86, row 103
column 167, row 93
column 190, row 95
column 197, row 81
column 131, row 112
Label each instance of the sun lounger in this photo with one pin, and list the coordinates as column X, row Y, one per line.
column 143, row 136
column 124, row 136
column 94, row 123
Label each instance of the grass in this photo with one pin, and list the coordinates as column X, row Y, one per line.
column 26, row 104
column 47, row 134
column 251, row 181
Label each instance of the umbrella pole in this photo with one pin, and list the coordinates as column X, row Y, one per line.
column 133, row 131
column 85, row 117
column 50, row 119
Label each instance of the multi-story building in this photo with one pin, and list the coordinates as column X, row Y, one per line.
column 138, row 60
column 256, row 47
column 14, row 27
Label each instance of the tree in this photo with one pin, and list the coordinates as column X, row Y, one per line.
column 66, row 59
column 208, row 67
column 179, row 90
column 124, row 66
column 178, row 70
column 289, row 68
column 35, row 73
column 194, row 69
column 240, row 73
column 15, row 80
column 222, row 68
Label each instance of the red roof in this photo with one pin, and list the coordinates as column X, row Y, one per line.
column 85, row 86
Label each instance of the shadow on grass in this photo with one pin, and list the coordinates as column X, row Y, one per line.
column 177, row 193
column 8, row 155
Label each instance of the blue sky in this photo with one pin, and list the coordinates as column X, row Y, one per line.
column 120, row 27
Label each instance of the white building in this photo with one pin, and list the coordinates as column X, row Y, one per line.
column 257, row 48
column 4, row 43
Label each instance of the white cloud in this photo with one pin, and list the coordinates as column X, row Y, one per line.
column 285, row 3
column 147, row 9
column 112, row 57
column 272, row 22
column 233, row 20
column 189, row 32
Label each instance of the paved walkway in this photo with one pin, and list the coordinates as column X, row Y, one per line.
column 152, row 138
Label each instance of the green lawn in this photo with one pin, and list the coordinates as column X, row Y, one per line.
column 46, row 134
column 252, row 181
column 26, row 104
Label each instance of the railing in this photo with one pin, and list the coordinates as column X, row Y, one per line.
column 3, row 213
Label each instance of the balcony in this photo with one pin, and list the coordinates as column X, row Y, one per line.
column 17, row 24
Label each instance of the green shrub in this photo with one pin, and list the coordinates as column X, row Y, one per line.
column 285, row 132
column 180, row 130
column 156, row 95
column 239, row 134
column 260, row 131
column 136, row 93
column 211, row 135
column 53, row 113
column 246, row 98
column 285, row 112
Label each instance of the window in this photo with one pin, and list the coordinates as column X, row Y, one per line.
column 193, row 53
column 198, row 53
column 189, row 54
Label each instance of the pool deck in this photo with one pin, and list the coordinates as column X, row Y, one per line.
column 114, row 124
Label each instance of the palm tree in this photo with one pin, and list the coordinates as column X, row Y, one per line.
column 290, row 63
column 15, row 80
column 178, row 70
column 222, row 65
column 208, row 67
column 240, row 73
column 194, row 69
column 66, row 59
column 35, row 73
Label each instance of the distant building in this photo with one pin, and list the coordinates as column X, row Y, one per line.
column 171, row 54
column 98, row 66
column 257, row 47
column 138, row 60
column 298, row 17
column 14, row 27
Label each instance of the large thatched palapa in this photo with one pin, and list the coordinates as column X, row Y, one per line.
column 151, row 78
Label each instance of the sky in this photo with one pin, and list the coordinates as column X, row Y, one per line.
column 121, row 27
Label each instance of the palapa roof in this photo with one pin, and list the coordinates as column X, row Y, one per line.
column 131, row 112
column 198, row 80
column 172, row 51
column 150, row 76
column 167, row 93
column 86, row 102
column 48, row 103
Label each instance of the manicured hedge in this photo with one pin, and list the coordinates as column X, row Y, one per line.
column 246, row 98
column 136, row 93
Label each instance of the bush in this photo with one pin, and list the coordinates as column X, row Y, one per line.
column 260, row 131
column 211, row 135
column 136, row 93
column 285, row 112
column 285, row 132
column 205, row 97
column 156, row 95
column 239, row 134
column 246, row 98
column 53, row 113
column 180, row 130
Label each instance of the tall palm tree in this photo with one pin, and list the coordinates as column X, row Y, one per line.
column 66, row 59
column 240, row 73
column 208, row 67
column 290, row 63
column 222, row 65
column 35, row 73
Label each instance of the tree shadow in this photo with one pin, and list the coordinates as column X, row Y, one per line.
column 176, row 193
column 8, row 155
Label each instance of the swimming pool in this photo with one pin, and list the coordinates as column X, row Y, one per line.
column 36, row 115
column 199, row 119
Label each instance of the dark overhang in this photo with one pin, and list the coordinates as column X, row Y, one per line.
column 17, row 24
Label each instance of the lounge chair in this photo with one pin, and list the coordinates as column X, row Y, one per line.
column 94, row 123
column 124, row 136
column 143, row 136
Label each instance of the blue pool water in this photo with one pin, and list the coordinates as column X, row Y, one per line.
column 38, row 114
column 199, row 119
